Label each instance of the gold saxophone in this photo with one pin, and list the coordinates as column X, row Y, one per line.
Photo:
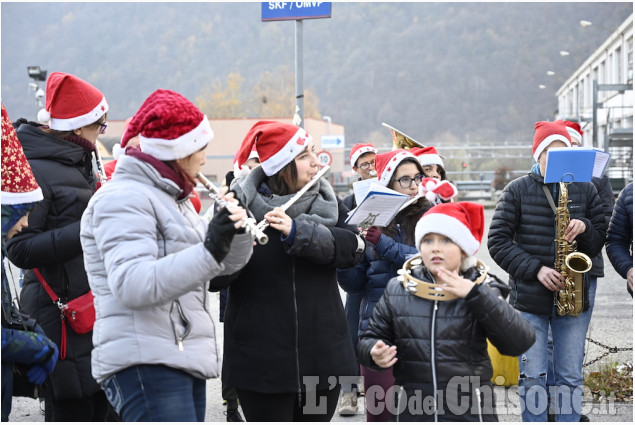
column 570, row 263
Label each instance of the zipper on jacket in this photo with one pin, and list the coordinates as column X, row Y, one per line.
column 478, row 401
column 297, row 332
column 433, row 360
column 188, row 326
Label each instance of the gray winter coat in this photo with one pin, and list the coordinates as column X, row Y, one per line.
column 148, row 270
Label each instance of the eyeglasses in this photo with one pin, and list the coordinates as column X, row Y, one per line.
column 102, row 126
column 406, row 181
column 365, row 165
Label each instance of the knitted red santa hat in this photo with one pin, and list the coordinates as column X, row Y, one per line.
column 431, row 187
column 169, row 126
column 547, row 132
column 574, row 129
column 427, row 156
column 360, row 149
column 277, row 145
column 71, row 103
column 462, row 222
column 387, row 163
column 18, row 183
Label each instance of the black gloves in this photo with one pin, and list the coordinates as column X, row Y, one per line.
column 220, row 233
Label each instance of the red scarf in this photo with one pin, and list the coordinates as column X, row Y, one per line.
column 164, row 169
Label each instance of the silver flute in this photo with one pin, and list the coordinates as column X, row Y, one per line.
column 264, row 223
column 248, row 223
column 101, row 173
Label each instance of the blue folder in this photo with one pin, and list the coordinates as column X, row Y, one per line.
column 568, row 165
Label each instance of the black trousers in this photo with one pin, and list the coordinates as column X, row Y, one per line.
column 95, row 408
column 315, row 406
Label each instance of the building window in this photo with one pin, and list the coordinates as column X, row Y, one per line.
column 618, row 65
column 629, row 61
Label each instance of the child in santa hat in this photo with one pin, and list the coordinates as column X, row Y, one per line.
column 386, row 251
column 20, row 194
column 149, row 258
column 521, row 242
column 285, row 330
column 60, row 153
column 432, row 323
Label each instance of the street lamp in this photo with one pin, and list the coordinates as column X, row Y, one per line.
column 585, row 23
column 37, row 74
column 327, row 119
column 564, row 53
column 542, row 87
column 551, row 73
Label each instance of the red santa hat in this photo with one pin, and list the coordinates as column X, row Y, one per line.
column 547, row 132
column 71, row 103
column 462, row 222
column 387, row 163
column 574, row 129
column 18, row 183
column 169, row 126
column 431, row 187
column 427, row 156
column 360, row 149
column 277, row 144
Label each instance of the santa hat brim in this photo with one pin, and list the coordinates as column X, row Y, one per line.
column 284, row 156
column 14, row 198
column 549, row 140
column 181, row 147
column 449, row 226
column 68, row 124
column 428, row 159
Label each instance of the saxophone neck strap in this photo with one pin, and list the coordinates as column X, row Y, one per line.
column 429, row 290
column 549, row 198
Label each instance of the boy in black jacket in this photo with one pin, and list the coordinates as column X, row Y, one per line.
column 432, row 323
column 521, row 242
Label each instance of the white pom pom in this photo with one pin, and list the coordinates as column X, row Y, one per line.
column 431, row 196
column 431, row 185
column 117, row 150
column 43, row 116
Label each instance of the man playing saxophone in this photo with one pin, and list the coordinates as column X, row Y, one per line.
column 524, row 240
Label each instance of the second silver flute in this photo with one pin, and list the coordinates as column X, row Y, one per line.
column 248, row 223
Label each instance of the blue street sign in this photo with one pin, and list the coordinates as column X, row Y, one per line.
column 294, row 10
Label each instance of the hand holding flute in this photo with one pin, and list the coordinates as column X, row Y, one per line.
column 246, row 222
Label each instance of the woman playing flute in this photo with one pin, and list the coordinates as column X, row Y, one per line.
column 149, row 258
column 286, row 339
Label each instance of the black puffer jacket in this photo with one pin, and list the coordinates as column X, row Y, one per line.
column 619, row 239
column 284, row 320
column 51, row 243
column 439, row 341
column 605, row 192
column 522, row 233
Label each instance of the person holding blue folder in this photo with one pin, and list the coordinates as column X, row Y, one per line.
column 521, row 242
column 387, row 249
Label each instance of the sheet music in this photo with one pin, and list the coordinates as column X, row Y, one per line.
column 601, row 162
column 361, row 189
column 377, row 209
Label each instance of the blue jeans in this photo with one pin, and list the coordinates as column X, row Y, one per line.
column 550, row 370
column 155, row 393
column 565, row 390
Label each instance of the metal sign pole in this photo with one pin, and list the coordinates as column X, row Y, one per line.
column 299, row 84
